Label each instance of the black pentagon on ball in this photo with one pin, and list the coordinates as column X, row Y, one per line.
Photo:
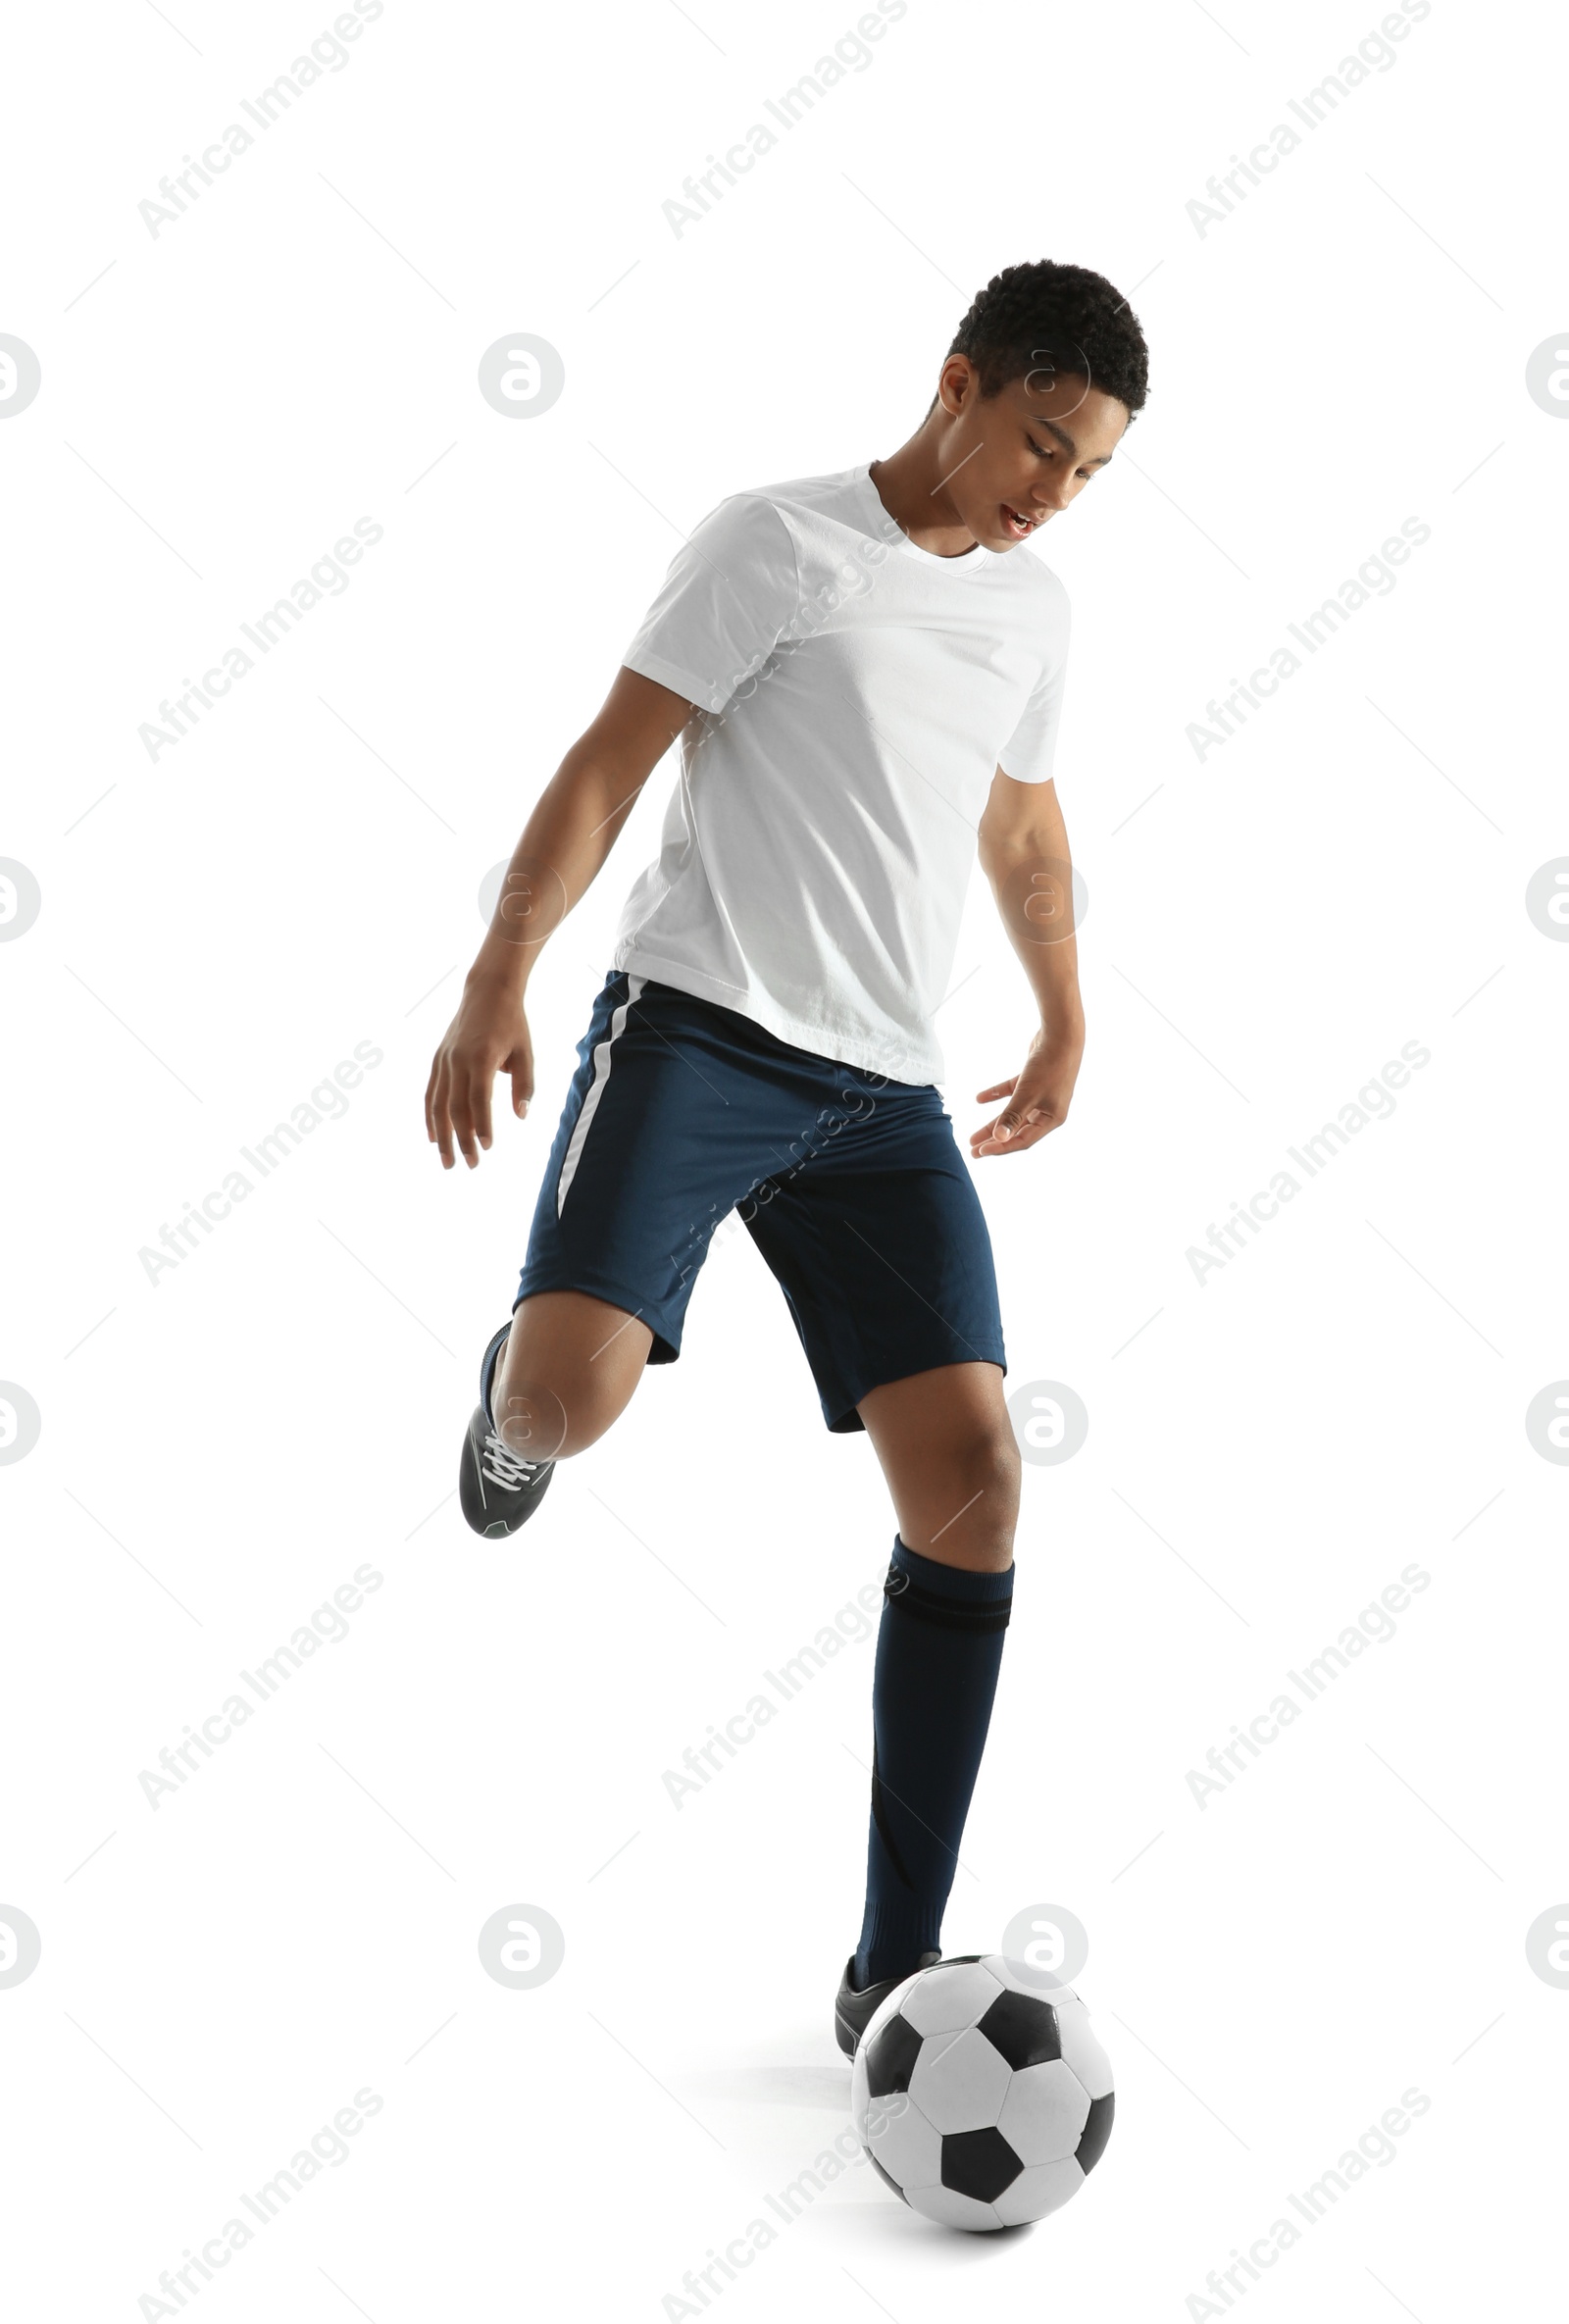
column 1097, row 2131
column 886, row 2179
column 954, row 1960
column 890, row 2057
column 978, row 2163
column 1023, row 2029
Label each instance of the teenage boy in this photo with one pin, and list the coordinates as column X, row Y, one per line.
column 866, row 679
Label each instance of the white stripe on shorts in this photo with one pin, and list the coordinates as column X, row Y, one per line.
column 575, row 1144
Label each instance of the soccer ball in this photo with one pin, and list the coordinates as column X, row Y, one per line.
column 982, row 2098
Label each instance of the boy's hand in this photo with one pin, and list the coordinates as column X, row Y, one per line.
column 489, row 1035
column 1039, row 1097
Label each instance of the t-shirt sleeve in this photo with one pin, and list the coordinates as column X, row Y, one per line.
column 727, row 597
column 1029, row 753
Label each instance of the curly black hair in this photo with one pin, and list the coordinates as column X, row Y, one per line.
column 1061, row 319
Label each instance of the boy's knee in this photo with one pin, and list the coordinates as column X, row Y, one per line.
column 983, row 1484
column 551, row 1414
column 567, row 1372
column 532, row 1420
column 997, row 1458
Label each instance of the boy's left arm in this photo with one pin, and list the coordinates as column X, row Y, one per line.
column 1023, row 848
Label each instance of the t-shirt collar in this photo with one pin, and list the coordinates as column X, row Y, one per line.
column 885, row 528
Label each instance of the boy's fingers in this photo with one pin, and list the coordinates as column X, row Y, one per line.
column 462, row 1125
column 437, row 1126
column 480, row 1106
column 459, row 1100
column 1012, row 1133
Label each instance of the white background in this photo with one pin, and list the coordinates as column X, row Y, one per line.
column 221, row 1449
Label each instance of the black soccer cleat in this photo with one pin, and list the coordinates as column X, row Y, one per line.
column 499, row 1491
column 854, row 2011
column 498, row 1488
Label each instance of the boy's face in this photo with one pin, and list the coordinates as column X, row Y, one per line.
column 1017, row 458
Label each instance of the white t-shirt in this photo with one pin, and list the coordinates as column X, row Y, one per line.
column 855, row 696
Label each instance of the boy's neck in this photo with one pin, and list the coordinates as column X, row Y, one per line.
column 911, row 485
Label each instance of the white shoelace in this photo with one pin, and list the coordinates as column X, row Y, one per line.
column 503, row 1467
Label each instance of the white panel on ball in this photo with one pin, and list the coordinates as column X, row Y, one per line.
column 898, row 2136
column 962, row 2089
column 949, row 1998
column 955, row 2210
column 1036, row 2193
column 1020, row 1980
column 1044, row 2112
column 1082, row 2051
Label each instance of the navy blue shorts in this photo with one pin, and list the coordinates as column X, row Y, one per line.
column 849, row 1184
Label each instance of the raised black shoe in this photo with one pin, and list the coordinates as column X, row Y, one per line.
column 499, row 1491
column 497, row 1488
column 854, row 2011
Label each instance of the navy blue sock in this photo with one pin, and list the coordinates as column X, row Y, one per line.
column 939, row 1651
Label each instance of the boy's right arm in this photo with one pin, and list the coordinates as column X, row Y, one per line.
column 566, row 839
